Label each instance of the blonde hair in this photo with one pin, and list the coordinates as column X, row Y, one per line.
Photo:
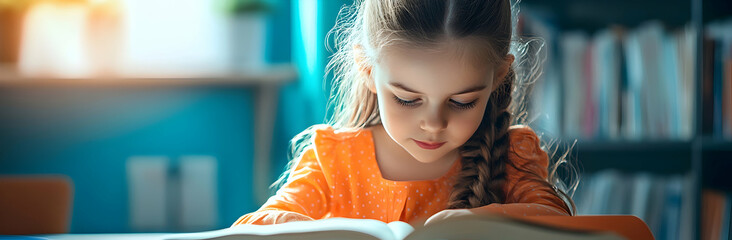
column 372, row 25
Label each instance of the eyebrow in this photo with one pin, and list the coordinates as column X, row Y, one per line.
column 469, row 90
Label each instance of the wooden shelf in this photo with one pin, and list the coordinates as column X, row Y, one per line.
column 662, row 157
column 716, row 144
column 593, row 15
column 659, row 157
column 716, row 10
column 276, row 74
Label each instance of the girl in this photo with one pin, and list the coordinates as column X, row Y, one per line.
column 421, row 123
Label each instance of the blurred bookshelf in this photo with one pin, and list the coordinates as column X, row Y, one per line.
column 646, row 89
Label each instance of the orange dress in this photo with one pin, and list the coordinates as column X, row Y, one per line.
column 339, row 177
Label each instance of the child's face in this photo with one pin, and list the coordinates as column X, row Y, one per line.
column 433, row 98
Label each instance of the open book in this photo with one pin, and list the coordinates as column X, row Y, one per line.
column 463, row 227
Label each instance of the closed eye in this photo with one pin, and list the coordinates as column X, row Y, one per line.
column 455, row 104
column 406, row 103
column 464, row 106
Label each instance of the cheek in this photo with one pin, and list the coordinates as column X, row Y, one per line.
column 465, row 124
column 394, row 114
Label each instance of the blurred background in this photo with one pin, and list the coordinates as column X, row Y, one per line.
column 175, row 115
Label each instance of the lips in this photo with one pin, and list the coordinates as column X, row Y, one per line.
column 426, row 145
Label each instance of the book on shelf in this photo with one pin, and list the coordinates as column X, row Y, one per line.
column 545, row 101
column 462, row 227
column 617, row 82
column 664, row 203
column 726, row 229
column 715, row 214
column 672, row 211
column 717, row 75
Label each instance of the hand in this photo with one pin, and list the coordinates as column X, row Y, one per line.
column 448, row 213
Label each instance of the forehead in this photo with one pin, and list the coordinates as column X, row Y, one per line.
column 446, row 67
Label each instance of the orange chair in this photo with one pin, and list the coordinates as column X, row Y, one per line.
column 35, row 204
column 628, row 226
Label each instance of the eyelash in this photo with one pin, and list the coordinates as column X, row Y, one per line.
column 458, row 105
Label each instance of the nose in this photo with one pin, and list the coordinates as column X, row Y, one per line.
column 434, row 120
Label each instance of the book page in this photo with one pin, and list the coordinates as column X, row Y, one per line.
column 497, row 227
column 318, row 229
column 400, row 229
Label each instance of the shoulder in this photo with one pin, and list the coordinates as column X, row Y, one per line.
column 525, row 147
column 327, row 139
column 327, row 136
column 334, row 150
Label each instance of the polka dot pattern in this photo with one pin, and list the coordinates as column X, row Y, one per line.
column 339, row 177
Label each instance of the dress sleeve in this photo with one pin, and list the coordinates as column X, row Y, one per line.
column 528, row 193
column 305, row 192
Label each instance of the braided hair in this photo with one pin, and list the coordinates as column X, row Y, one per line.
column 483, row 175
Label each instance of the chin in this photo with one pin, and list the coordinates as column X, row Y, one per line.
column 427, row 160
column 425, row 156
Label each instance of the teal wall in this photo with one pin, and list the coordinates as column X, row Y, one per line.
column 88, row 134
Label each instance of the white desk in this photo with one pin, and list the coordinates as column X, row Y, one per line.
column 119, row 236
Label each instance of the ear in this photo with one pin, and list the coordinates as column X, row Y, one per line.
column 364, row 67
column 502, row 70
